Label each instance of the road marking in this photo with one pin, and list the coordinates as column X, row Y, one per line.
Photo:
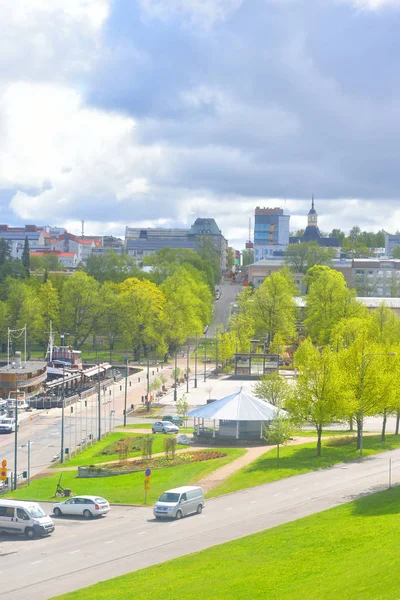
column 295, row 490
column 276, row 495
column 37, row 562
column 110, row 542
column 142, row 533
column 253, row 501
column 230, row 508
column 74, row 551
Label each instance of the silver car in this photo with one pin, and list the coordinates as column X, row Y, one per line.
column 165, row 427
column 85, row 506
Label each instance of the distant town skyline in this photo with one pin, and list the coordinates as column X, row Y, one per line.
column 153, row 112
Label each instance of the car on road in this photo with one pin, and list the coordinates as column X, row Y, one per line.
column 164, row 427
column 179, row 502
column 24, row 517
column 7, row 425
column 173, row 419
column 84, row 506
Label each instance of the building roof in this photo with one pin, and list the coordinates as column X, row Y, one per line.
column 239, row 406
column 205, row 227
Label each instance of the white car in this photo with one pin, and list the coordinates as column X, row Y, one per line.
column 7, row 425
column 164, row 427
column 85, row 506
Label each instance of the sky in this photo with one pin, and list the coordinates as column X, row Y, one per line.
column 155, row 112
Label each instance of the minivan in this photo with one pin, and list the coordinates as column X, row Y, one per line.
column 179, row 502
column 24, row 517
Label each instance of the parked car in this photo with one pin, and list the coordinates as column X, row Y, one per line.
column 179, row 502
column 173, row 419
column 85, row 506
column 164, row 427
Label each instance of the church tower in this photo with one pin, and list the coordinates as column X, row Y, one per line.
column 312, row 215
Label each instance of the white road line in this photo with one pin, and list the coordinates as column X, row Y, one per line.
column 37, row 562
column 142, row 533
column 74, row 551
column 230, row 508
column 276, row 495
column 253, row 501
column 295, row 490
column 109, row 542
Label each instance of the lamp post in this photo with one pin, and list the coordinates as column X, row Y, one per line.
column 62, row 417
column 195, row 365
column 363, row 368
column 205, row 356
column 16, row 433
column 99, row 403
column 187, row 369
column 176, row 378
column 126, row 388
column 148, row 385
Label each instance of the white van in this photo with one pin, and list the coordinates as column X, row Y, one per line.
column 179, row 502
column 24, row 517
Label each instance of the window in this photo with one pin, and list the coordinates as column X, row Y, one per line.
column 21, row 514
column 183, row 498
column 6, row 511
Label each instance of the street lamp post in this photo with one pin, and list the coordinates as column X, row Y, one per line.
column 16, row 434
column 363, row 368
column 176, row 378
column 126, row 388
column 62, row 417
column 195, row 365
column 205, row 356
column 187, row 369
column 148, row 385
column 99, row 403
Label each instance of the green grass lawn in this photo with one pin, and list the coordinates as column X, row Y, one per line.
column 346, row 553
column 325, row 433
column 295, row 460
column 150, row 425
column 126, row 489
column 89, row 456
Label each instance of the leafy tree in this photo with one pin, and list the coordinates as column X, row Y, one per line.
column 301, row 257
column 5, row 251
column 111, row 317
column 273, row 388
column 80, row 307
column 26, row 257
column 396, row 252
column 278, row 431
column 112, row 267
column 328, row 301
column 142, row 305
column 356, row 249
column 355, row 233
column 230, row 258
column 208, row 253
column 31, row 315
column 247, row 256
column 182, row 406
column 170, row 446
column 338, row 234
column 274, row 307
column 318, row 396
column 50, row 302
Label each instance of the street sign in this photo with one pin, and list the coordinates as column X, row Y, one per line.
column 146, row 487
column 3, row 474
column 4, row 464
column 147, row 480
column 148, row 472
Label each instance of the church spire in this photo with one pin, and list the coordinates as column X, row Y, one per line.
column 312, row 214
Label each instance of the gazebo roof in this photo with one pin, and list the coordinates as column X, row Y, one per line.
column 236, row 407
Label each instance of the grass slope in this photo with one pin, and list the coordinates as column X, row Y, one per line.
column 126, row 489
column 295, row 460
column 349, row 552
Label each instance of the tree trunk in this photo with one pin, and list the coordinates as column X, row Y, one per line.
column 383, row 432
column 359, row 431
column 351, row 423
column 319, row 432
column 397, row 423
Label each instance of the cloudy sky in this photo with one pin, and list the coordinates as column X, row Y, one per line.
column 153, row 112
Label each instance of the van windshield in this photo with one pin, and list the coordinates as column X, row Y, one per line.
column 36, row 512
column 168, row 497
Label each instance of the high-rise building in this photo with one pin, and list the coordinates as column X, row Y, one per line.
column 271, row 232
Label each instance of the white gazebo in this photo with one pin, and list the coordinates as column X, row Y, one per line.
column 240, row 416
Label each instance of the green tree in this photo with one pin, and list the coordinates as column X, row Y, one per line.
column 274, row 307
column 279, row 430
column 230, row 258
column 80, row 307
column 110, row 324
column 182, row 406
column 328, row 301
column 141, row 306
column 338, row 234
column 5, row 251
column 273, row 388
column 26, row 257
column 396, row 252
column 318, row 396
column 50, row 301
column 31, row 315
column 112, row 267
column 301, row 257
column 247, row 256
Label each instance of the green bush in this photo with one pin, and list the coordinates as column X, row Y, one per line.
column 341, row 441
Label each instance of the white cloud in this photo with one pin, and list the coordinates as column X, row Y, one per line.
column 376, row 4
column 43, row 39
column 51, row 141
column 203, row 12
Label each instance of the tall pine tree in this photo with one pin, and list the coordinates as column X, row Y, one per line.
column 26, row 257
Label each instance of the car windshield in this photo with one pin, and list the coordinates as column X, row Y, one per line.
column 36, row 512
column 168, row 497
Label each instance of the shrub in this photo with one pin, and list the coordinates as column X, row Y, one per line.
column 341, row 441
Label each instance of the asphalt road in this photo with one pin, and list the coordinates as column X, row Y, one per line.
column 223, row 306
column 80, row 553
